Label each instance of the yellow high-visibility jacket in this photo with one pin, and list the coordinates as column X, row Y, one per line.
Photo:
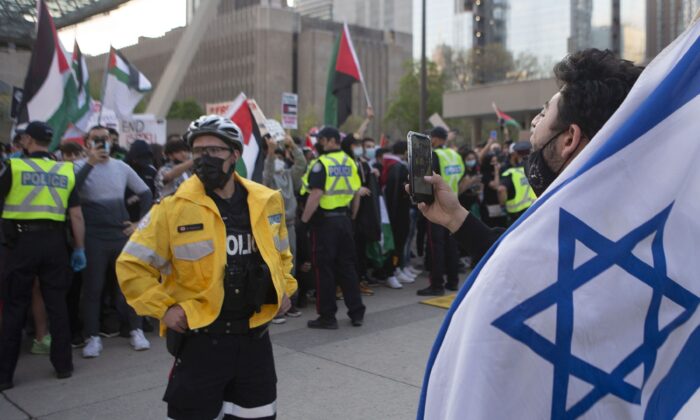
column 183, row 241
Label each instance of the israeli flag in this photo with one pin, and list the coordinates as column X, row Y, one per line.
column 588, row 306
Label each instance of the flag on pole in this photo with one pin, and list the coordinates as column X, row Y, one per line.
column 251, row 163
column 82, row 81
column 124, row 85
column 587, row 307
column 50, row 92
column 505, row 119
column 343, row 72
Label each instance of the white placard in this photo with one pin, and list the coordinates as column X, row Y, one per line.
column 290, row 110
column 142, row 127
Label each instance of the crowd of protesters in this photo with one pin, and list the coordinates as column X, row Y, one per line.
column 393, row 243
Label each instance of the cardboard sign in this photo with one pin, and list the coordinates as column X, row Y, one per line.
column 218, row 108
column 275, row 129
column 437, row 121
column 290, row 110
column 142, row 127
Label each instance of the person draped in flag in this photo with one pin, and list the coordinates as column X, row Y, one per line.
column 593, row 84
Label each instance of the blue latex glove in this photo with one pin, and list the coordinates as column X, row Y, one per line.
column 78, row 261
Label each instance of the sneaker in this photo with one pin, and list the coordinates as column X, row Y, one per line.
column 279, row 319
column 41, row 347
column 412, row 270
column 430, row 291
column 138, row 341
column 293, row 312
column 398, row 274
column 408, row 272
column 93, row 348
column 108, row 333
column 393, row 283
column 365, row 290
column 338, row 293
column 323, row 324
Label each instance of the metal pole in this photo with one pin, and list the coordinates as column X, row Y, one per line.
column 423, row 75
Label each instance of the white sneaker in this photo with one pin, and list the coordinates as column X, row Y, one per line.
column 138, row 341
column 93, row 348
column 413, row 270
column 279, row 320
column 408, row 273
column 398, row 274
column 393, row 283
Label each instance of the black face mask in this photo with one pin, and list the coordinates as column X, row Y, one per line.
column 539, row 175
column 210, row 171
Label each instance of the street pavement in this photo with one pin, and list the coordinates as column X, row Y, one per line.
column 371, row 372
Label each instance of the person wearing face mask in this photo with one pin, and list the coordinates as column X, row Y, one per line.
column 176, row 170
column 515, row 192
column 592, row 85
column 277, row 176
column 221, row 248
column 334, row 184
column 470, row 186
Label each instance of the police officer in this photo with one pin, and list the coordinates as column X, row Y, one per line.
column 442, row 247
column 333, row 182
column 38, row 191
column 515, row 191
column 220, row 245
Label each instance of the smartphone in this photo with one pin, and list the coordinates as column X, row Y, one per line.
column 420, row 164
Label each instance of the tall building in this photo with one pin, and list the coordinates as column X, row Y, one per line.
column 666, row 19
column 448, row 22
column 265, row 50
column 388, row 15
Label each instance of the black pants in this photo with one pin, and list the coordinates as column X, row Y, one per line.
column 213, row 373
column 399, row 229
column 421, row 227
column 333, row 250
column 36, row 254
column 73, row 302
column 443, row 256
column 361, row 253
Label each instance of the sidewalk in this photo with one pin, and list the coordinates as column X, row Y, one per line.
column 371, row 372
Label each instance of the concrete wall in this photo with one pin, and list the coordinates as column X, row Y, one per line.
column 13, row 66
column 252, row 50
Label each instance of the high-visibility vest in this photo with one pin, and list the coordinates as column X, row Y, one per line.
column 305, row 178
column 40, row 190
column 342, row 180
column 451, row 167
column 524, row 195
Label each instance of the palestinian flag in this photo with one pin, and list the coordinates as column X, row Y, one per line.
column 124, row 85
column 82, row 81
column 343, row 72
column 251, row 163
column 50, row 92
column 505, row 119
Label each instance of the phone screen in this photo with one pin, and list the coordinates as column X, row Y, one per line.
column 420, row 155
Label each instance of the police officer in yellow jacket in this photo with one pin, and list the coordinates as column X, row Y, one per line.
column 37, row 192
column 333, row 182
column 220, row 246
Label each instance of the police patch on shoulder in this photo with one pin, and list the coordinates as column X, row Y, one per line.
column 190, row 228
column 275, row 219
column 317, row 167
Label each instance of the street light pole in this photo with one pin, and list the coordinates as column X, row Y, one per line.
column 423, row 75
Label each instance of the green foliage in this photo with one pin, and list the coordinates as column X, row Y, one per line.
column 189, row 109
column 352, row 124
column 404, row 105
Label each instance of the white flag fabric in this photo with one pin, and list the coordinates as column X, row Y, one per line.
column 124, row 85
column 588, row 306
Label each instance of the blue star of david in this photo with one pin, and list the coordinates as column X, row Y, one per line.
column 560, row 293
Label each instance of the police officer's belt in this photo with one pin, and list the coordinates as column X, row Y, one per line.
column 335, row 213
column 237, row 327
column 38, row 226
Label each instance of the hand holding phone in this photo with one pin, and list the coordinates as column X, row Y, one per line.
column 420, row 164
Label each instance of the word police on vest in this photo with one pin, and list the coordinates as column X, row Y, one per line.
column 44, row 180
column 453, row 170
column 340, row 170
column 238, row 245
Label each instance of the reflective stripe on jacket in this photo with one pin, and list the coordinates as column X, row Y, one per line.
column 183, row 240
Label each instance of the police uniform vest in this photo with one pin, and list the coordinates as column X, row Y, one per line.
column 342, row 180
column 305, row 179
column 40, row 190
column 451, row 167
column 524, row 195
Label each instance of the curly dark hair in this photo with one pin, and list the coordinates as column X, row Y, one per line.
column 592, row 84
